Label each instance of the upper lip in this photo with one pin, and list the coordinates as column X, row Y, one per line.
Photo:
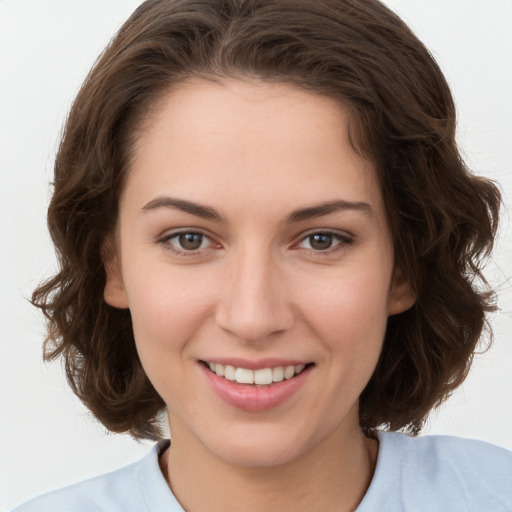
column 251, row 364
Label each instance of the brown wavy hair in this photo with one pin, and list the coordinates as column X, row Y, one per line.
column 402, row 118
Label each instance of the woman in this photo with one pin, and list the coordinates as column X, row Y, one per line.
column 265, row 230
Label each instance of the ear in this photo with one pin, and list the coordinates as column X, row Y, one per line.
column 114, row 292
column 401, row 295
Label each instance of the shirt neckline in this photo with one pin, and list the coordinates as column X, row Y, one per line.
column 383, row 492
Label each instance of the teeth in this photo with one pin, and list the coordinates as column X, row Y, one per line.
column 262, row 377
column 289, row 372
column 229, row 372
column 278, row 374
column 244, row 376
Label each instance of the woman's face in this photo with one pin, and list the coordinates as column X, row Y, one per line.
column 252, row 240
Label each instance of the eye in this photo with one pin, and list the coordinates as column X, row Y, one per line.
column 186, row 242
column 189, row 241
column 324, row 241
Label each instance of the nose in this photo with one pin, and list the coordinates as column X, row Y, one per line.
column 254, row 303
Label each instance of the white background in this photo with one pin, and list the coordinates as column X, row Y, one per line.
column 46, row 47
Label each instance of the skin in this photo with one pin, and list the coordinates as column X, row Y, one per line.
column 257, row 287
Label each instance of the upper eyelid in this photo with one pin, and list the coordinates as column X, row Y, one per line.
column 302, row 235
column 168, row 234
column 334, row 232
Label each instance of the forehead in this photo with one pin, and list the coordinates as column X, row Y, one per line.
column 250, row 142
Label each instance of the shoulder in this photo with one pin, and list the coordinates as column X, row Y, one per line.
column 465, row 461
column 136, row 487
column 95, row 494
column 445, row 448
column 447, row 473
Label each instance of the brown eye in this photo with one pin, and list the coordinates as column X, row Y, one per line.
column 320, row 241
column 190, row 241
column 325, row 242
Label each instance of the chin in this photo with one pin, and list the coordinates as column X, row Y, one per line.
column 257, row 456
column 264, row 448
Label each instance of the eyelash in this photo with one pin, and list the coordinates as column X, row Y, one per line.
column 166, row 241
column 342, row 240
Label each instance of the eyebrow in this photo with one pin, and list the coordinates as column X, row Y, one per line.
column 326, row 208
column 299, row 215
column 205, row 212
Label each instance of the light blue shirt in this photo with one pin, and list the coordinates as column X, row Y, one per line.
column 424, row 474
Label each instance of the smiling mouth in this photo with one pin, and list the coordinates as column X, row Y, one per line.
column 261, row 377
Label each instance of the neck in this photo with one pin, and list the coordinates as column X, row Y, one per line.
column 334, row 476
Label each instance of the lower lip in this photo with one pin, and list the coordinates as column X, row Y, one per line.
column 253, row 398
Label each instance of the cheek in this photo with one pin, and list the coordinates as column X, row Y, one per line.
column 167, row 308
column 349, row 317
column 165, row 318
column 353, row 303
